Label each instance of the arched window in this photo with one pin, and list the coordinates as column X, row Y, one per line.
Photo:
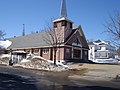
column 64, row 23
column 55, row 25
column 77, row 43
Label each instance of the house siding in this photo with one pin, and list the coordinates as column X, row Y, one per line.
column 101, row 50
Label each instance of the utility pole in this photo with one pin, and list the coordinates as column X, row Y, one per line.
column 23, row 33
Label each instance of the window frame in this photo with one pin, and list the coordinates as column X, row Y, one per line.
column 45, row 51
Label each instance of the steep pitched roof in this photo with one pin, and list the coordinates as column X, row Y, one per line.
column 91, row 43
column 81, row 34
column 98, row 41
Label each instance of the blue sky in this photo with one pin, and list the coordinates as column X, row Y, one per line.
column 90, row 14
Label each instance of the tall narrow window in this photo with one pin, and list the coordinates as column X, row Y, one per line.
column 71, row 25
column 64, row 23
column 45, row 51
column 77, row 53
column 77, row 43
column 55, row 25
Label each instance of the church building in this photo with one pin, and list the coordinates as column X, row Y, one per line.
column 70, row 42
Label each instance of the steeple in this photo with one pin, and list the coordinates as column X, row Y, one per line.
column 63, row 11
column 62, row 25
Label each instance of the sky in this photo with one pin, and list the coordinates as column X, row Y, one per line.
column 90, row 14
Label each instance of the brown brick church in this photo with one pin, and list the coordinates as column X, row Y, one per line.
column 72, row 44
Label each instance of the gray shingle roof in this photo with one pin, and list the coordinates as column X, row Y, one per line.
column 91, row 43
column 35, row 40
column 28, row 41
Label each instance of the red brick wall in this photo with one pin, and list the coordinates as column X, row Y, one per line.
column 60, row 54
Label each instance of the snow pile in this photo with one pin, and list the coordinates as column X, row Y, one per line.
column 5, row 44
column 4, row 56
column 25, row 61
column 37, row 62
column 52, row 62
column 4, row 59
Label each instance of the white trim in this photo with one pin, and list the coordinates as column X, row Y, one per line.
column 81, row 53
column 75, row 44
column 72, row 53
column 61, row 19
column 76, row 47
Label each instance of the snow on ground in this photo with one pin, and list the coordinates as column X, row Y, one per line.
column 57, row 63
column 5, row 44
column 25, row 61
column 5, row 56
column 37, row 62
column 111, row 60
column 4, row 59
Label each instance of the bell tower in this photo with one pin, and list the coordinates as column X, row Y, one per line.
column 62, row 25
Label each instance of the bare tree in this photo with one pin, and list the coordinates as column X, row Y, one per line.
column 118, row 51
column 2, row 34
column 53, row 37
column 113, row 29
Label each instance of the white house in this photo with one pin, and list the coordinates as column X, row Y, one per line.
column 101, row 52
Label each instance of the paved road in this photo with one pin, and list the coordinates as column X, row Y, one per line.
column 25, row 79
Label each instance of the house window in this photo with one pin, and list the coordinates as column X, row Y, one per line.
column 97, row 55
column 77, row 41
column 71, row 25
column 45, row 51
column 103, row 55
column 36, row 51
column 99, row 47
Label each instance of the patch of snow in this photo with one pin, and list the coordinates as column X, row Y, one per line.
column 19, row 52
column 39, row 57
column 5, row 44
column 57, row 63
column 5, row 56
column 25, row 60
column 111, row 60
